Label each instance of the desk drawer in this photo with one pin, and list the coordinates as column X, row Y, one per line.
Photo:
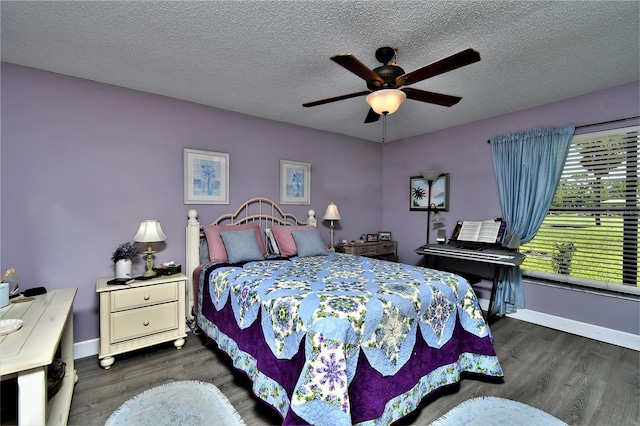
column 143, row 296
column 142, row 322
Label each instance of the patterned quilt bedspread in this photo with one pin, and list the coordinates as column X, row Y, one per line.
column 338, row 309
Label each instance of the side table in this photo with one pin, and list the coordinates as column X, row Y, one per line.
column 140, row 314
column 47, row 326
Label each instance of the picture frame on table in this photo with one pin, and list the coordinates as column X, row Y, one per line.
column 372, row 238
column 419, row 193
column 295, row 182
column 384, row 236
column 206, row 177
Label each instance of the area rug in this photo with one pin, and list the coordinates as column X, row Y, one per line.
column 490, row 410
column 179, row 403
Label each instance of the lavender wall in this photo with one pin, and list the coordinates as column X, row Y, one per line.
column 84, row 162
column 463, row 152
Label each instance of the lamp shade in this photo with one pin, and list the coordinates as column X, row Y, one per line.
column 386, row 101
column 332, row 213
column 430, row 175
column 149, row 231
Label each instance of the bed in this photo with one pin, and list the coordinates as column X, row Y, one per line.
column 330, row 338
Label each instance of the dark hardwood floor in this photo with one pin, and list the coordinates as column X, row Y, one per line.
column 578, row 380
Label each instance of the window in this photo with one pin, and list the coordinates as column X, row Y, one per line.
column 590, row 234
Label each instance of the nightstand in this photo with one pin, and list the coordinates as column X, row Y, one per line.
column 140, row 314
column 381, row 249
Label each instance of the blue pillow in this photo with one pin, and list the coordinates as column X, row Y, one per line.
column 309, row 243
column 241, row 246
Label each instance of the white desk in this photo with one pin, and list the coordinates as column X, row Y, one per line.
column 48, row 324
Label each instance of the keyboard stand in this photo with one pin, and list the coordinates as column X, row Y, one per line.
column 498, row 262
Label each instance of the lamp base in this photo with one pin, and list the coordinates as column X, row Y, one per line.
column 149, row 273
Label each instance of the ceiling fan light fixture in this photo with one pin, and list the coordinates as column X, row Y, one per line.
column 386, row 101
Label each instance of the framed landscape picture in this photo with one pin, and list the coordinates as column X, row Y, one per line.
column 206, row 177
column 295, row 182
column 419, row 193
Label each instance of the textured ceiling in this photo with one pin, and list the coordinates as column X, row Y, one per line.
column 267, row 58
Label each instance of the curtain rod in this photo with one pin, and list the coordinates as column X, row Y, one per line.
column 599, row 124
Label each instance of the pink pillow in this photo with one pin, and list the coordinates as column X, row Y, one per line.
column 284, row 239
column 217, row 251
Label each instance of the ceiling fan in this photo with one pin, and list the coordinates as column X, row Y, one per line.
column 388, row 81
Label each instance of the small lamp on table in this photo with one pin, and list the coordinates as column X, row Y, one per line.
column 332, row 214
column 149, row 232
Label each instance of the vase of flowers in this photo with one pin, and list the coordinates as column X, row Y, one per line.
column 123, row 258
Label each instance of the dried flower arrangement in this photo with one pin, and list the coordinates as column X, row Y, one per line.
column 126, row 250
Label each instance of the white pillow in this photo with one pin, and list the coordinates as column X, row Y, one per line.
column 271, row 241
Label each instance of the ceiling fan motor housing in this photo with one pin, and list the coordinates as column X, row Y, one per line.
column 387, row 72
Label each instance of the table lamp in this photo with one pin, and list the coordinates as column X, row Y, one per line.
column 149, row 232
column 332, row 214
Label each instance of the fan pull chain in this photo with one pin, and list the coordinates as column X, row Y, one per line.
column 384, row 128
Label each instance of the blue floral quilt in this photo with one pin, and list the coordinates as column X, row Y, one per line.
column 339, row 306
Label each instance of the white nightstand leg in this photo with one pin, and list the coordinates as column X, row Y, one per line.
column 179, row 343
column 32, row 396
column 107, row 362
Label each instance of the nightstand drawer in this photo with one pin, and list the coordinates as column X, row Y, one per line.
column 361, row 250
column 135, row 323
column 386, row 248
column 143, row 296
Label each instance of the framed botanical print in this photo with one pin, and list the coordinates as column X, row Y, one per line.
column 206, row 177
column 295, row 182
column 419, row 197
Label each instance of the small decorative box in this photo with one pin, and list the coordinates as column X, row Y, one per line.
column 168, row 269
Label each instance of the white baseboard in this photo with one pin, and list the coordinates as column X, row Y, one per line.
column 86, row 348
column 590, row 331
column 595, row 332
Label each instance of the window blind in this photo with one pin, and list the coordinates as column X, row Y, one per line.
column 590, row 234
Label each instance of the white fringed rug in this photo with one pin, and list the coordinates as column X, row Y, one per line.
column 179, row 403
column 490, row 410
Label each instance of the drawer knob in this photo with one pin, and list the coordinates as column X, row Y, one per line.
column 147, row 297
column 145, row 323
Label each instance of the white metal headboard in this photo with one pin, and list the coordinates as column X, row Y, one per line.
column 262, row 211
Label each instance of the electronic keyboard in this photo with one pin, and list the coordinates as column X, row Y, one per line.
column 476, row 252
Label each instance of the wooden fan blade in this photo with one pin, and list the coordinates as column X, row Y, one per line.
column 451, row 63
column 351, row 63
column 431, row 97
column 372, row 116
column 336, row 98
